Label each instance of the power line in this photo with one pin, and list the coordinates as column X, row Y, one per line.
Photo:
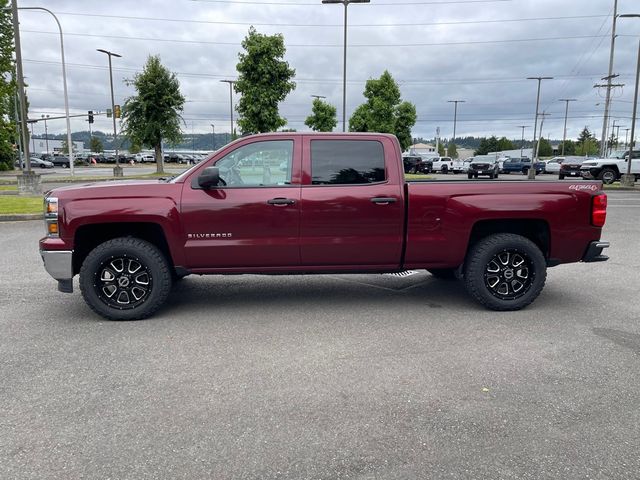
column 330, row 25
column 405, row 82
column 329, row 45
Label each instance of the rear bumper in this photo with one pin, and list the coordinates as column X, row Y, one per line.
column 59, row 264
column 594, row 252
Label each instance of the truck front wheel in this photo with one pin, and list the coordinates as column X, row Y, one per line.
column 505, row 272
column 125, row 279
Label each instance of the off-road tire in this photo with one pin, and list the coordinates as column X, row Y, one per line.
column 479, row 261
column 140, row 251
column 560, row 177
column 469, row 176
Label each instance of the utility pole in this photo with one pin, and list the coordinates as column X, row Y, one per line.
column 117, row 170
column 28, row 182
column 455, row 116
column 628, row 180
column 566, row 112
column 522, row 141
column 532, row 171
column 231, row 84
column 608, row 78
column 346, row 4
column 535, row 158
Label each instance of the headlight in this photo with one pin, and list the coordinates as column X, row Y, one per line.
column 51, row 216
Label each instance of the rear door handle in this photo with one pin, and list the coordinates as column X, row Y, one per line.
column 281, row 202
column 383, row 200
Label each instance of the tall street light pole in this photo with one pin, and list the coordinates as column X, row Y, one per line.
column 455, row 116
column 532, row 170
column 628, row 179
column 608, row 78
column 522, row 141
column 117, row 170
column 344, row 59
column 231, row 83
column 319, row 97
column 566, row 112
column 64, row 84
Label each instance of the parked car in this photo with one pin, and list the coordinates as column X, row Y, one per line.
column 412, row 164
column 37, row 163
column 521, row 165
column 570, row 167
column 342, row 205
column 610, row 169
column 457, row 166
column 553, row 165
column 442, row 164
column 481, row 166
column 61, row 161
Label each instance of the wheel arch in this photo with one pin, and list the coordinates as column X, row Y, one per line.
column 89, row 236
column 536, row 230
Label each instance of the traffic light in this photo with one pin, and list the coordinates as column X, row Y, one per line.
column 109, row 113
column 116, row 111
column 90, row 113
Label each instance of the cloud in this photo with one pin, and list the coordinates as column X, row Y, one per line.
column 452, row 62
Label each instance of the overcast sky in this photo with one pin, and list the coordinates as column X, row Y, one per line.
column 437, row 50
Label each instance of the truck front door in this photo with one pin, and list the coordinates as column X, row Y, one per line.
column 252, row 218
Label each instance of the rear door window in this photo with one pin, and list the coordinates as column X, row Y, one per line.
column 347, row 162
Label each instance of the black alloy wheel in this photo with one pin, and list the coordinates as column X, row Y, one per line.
column 123, row 282
column 509, row 274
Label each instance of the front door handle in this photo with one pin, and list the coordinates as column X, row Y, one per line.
column 383, row 200
column 281, row 202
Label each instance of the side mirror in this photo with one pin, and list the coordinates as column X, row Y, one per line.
column 210, row 177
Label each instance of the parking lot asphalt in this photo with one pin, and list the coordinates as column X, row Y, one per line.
column 325, row 377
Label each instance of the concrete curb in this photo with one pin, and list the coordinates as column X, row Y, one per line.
column 21, row 217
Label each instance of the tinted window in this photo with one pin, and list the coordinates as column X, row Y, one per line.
column 337, row 162
column 258, row 164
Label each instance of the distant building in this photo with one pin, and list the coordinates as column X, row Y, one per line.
column 422, row 149
column 38, row 146
column 464, row 153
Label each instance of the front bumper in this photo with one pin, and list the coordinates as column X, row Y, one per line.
column 588, row 174
column 59, row 264
column 594, row 252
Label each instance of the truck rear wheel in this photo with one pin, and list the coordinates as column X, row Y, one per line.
column 125, row 279
column 469, row 176
column 505, row 272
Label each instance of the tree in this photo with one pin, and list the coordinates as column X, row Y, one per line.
column 586, row 143
column 95, row 145
column 65, row 146
column 569, row 147
column 545, row 149
column 441, row 151
column 8, row 134
column 322, row 118
column 452, row 150
column 153, row 115
column 134, row 148
column 504, row 144
column 488, row 145
column 384, row 111
column 264, row 80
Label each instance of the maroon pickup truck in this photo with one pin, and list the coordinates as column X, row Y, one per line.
column 300, row 203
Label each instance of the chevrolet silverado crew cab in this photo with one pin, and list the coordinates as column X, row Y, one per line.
column 295, row 203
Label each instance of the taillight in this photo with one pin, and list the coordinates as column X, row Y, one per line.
column 599, row 210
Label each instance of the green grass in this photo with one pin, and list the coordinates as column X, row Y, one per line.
column 8, row 187
column 417, row 176
column 16, row 205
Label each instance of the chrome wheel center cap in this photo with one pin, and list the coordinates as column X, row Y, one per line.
column 123, row 282
column 508, row 274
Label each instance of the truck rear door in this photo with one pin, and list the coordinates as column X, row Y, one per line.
column 352, row 202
